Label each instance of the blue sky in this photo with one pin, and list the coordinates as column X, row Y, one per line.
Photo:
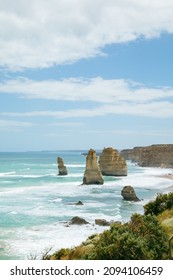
column 85, row 74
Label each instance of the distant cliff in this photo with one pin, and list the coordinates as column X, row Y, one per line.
column 151, row 156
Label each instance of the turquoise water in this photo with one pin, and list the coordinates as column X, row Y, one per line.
column 36, row 204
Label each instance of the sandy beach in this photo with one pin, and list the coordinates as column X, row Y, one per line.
column 168, row 176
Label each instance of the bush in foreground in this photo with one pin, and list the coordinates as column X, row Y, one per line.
column 161, row 203
column 143, row 238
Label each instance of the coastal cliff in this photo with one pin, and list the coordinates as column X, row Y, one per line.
column 151, row 156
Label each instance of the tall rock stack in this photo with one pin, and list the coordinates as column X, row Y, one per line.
column 92, row 174
column 61, row 167
column 112, row 163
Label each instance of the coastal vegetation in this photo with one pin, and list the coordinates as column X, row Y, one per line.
column 160, row 204
column 143, row 237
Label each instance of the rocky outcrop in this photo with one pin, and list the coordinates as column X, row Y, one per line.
column 128, row 193
column 61, row 167
column 79, row 203
column 78, row 221
column 92, row 174
column 151, row 156
column 112, row 163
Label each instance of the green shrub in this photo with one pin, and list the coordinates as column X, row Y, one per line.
column 160, row 204
column 141, row 238
column 59, row 254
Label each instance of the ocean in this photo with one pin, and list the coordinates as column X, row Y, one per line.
column 36, row 204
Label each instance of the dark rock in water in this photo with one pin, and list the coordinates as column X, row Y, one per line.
column 79, row 203
column 129, row 194
column 76, row 203
column 61, row 167
column 78, row 221
column 102, row 222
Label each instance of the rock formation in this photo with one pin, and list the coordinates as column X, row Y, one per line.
column 92, row 174
column 129, row 194
column 78, row 221
column 132, row 154
column 151, row 156
column 61, row 167
column 79, row 203
column 156, row 156
column 112, row 163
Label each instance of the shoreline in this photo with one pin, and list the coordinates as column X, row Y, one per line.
column 54, row 234
column 170, row 177
column 167, row 176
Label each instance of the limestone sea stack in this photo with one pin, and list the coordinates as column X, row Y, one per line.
column 128, row 193
column 112, row 163
column 61, row 167
column 92, row 174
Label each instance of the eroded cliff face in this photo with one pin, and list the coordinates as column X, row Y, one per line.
column 112, row 163
column 132, row 154
column 92, row 174
column 151, row 156
column 157, row 156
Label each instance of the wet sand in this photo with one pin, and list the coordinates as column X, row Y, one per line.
column 169, row 176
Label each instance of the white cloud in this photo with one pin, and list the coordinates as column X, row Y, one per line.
column 106, row 96
column 13, row 125
column 66, row 124
column 144, row 132
column 79, row 89
column 154, row 109
column 40, row 33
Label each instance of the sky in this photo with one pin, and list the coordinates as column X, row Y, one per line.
column 81, row 74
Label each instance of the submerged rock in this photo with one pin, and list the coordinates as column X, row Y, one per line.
column 112, row 163
column 128, row 193
column 79, row 203
column 61, row 167
column 92, row 174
